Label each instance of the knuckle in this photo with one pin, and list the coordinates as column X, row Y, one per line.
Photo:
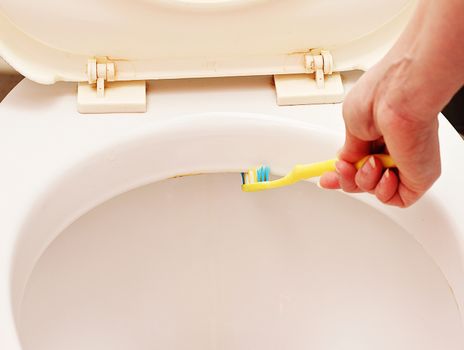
column 360, row 123
column 349, row 187
column 382, row 198
column 367, row 131
column 381, row 195
column 361, row 185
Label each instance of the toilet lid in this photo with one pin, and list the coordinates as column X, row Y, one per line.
column 51, row 40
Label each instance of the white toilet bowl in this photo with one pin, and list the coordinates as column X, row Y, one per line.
column 104, row 246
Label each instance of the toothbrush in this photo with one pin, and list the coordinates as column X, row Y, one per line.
column 257, row 179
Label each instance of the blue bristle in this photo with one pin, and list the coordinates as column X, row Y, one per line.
column 262, row 174
column 243, row 178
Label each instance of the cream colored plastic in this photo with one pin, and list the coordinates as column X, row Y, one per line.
column 301, row 89
column 50, row 40
column 116, row 97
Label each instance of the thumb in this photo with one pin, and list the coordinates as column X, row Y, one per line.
column 359, row 125
column 354, row 148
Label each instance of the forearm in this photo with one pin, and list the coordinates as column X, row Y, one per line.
column 428, row 59
column 439, row 49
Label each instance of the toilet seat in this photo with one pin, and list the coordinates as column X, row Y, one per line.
column 158, row 39
column 110, row 49
column 44, row 195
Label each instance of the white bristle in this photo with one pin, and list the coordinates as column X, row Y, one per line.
column 251, row 177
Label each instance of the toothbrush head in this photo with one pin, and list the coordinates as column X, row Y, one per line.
column 255, row 175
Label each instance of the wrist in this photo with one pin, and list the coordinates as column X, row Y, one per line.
column 415, row 89
column 427, row 60
column 406, row 91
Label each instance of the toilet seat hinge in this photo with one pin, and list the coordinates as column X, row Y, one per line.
column 319, row 83
column 105, row 92
column 319, row 62
column 99, row 71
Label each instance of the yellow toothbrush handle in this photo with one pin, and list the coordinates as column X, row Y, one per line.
column 385, row 159
column 302, row 172
column 317, row 169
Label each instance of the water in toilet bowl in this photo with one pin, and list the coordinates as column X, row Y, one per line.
column 194, row 263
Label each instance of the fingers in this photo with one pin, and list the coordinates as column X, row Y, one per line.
column 387, row 187
column 368, row 177
column 416, row 153
column 329, row 181
column 346, row 174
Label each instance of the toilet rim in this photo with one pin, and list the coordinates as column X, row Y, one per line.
column 218, row 142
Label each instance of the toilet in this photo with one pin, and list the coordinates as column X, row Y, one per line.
column 123, row 224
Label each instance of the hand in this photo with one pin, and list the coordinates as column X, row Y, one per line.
column 393, row 108
column 379, row 112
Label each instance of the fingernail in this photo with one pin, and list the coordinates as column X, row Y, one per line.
column 387, row 173
column 372, row 162
column 318, row 184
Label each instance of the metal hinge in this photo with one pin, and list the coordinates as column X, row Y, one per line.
column 320, row 84
column 104, row 93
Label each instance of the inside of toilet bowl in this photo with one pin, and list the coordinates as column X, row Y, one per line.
column 194, row 263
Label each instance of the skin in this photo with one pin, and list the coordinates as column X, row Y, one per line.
column 394, row 107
